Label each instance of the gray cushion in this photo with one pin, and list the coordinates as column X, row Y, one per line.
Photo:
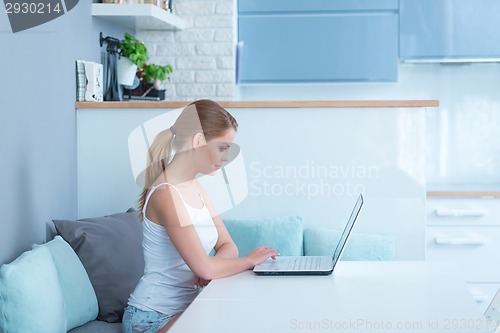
column 110, row 249
column 98, row 326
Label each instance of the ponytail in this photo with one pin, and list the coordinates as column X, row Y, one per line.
column 159, row 155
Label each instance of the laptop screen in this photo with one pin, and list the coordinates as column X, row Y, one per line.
column 347, row 230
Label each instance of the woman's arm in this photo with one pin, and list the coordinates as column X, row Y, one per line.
column 169, row 211
column 226, row 250
column 225, row 246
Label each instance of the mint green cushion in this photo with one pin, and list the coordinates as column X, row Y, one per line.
column 79, row 296
column 360, row 246
column 31, row 299
column 281, row 233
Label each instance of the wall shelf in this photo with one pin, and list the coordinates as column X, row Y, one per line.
column 138, row 16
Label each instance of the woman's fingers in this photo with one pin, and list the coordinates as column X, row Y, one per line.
column 261, row 253
column 199, row 282
column 272, row 252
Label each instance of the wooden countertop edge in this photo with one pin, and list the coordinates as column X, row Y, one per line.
column 265, row 104
column 463, row 193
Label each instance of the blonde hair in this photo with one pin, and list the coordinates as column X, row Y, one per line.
column 202, row 116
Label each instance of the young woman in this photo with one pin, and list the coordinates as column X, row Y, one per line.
column 180, row 224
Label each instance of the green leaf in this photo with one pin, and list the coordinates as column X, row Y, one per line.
column 134, row 49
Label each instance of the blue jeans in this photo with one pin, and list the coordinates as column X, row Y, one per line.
column 138, row 321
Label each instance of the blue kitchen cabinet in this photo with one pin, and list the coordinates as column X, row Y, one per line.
column 449, row 29
column 289, row 6
column 317, row 41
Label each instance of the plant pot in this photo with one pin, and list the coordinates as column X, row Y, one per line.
column 157, row 93
column 126, row 71
column 144, row 92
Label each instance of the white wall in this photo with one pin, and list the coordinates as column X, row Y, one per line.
column 380, row 152
column 462, row 134
column 38, row 123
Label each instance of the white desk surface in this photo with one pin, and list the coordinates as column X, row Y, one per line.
column 359, row 297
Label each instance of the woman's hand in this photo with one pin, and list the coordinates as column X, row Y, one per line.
column 260, row 254
column 199, row 282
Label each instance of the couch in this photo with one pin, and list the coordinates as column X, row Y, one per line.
column 80, row 280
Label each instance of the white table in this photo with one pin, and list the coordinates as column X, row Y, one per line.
column 359, row 297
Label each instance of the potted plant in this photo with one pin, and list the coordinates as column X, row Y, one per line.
column 151, row 77
column 154, row 76
column 133, row 54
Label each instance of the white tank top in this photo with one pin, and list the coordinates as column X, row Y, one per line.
column 167, row 284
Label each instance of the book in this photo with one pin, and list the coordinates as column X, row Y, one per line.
column 89, row 81
column 81, row 81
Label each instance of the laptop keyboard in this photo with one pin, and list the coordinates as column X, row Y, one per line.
column 304, row 263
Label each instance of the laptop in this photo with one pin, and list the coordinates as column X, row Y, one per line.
column 310, row 265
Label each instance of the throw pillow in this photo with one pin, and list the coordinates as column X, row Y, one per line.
column 360, row 246
column 79, row 296
column 284, row 234
column 31, row 299
column 110, row 249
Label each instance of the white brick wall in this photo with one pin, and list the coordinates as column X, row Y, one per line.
column 202, row 55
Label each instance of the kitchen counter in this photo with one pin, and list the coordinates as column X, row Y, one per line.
column 288, row 146
column 433, row 190
column 265, row 104
column 463, row 190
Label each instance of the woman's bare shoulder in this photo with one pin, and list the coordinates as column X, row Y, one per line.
column 163, row 202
